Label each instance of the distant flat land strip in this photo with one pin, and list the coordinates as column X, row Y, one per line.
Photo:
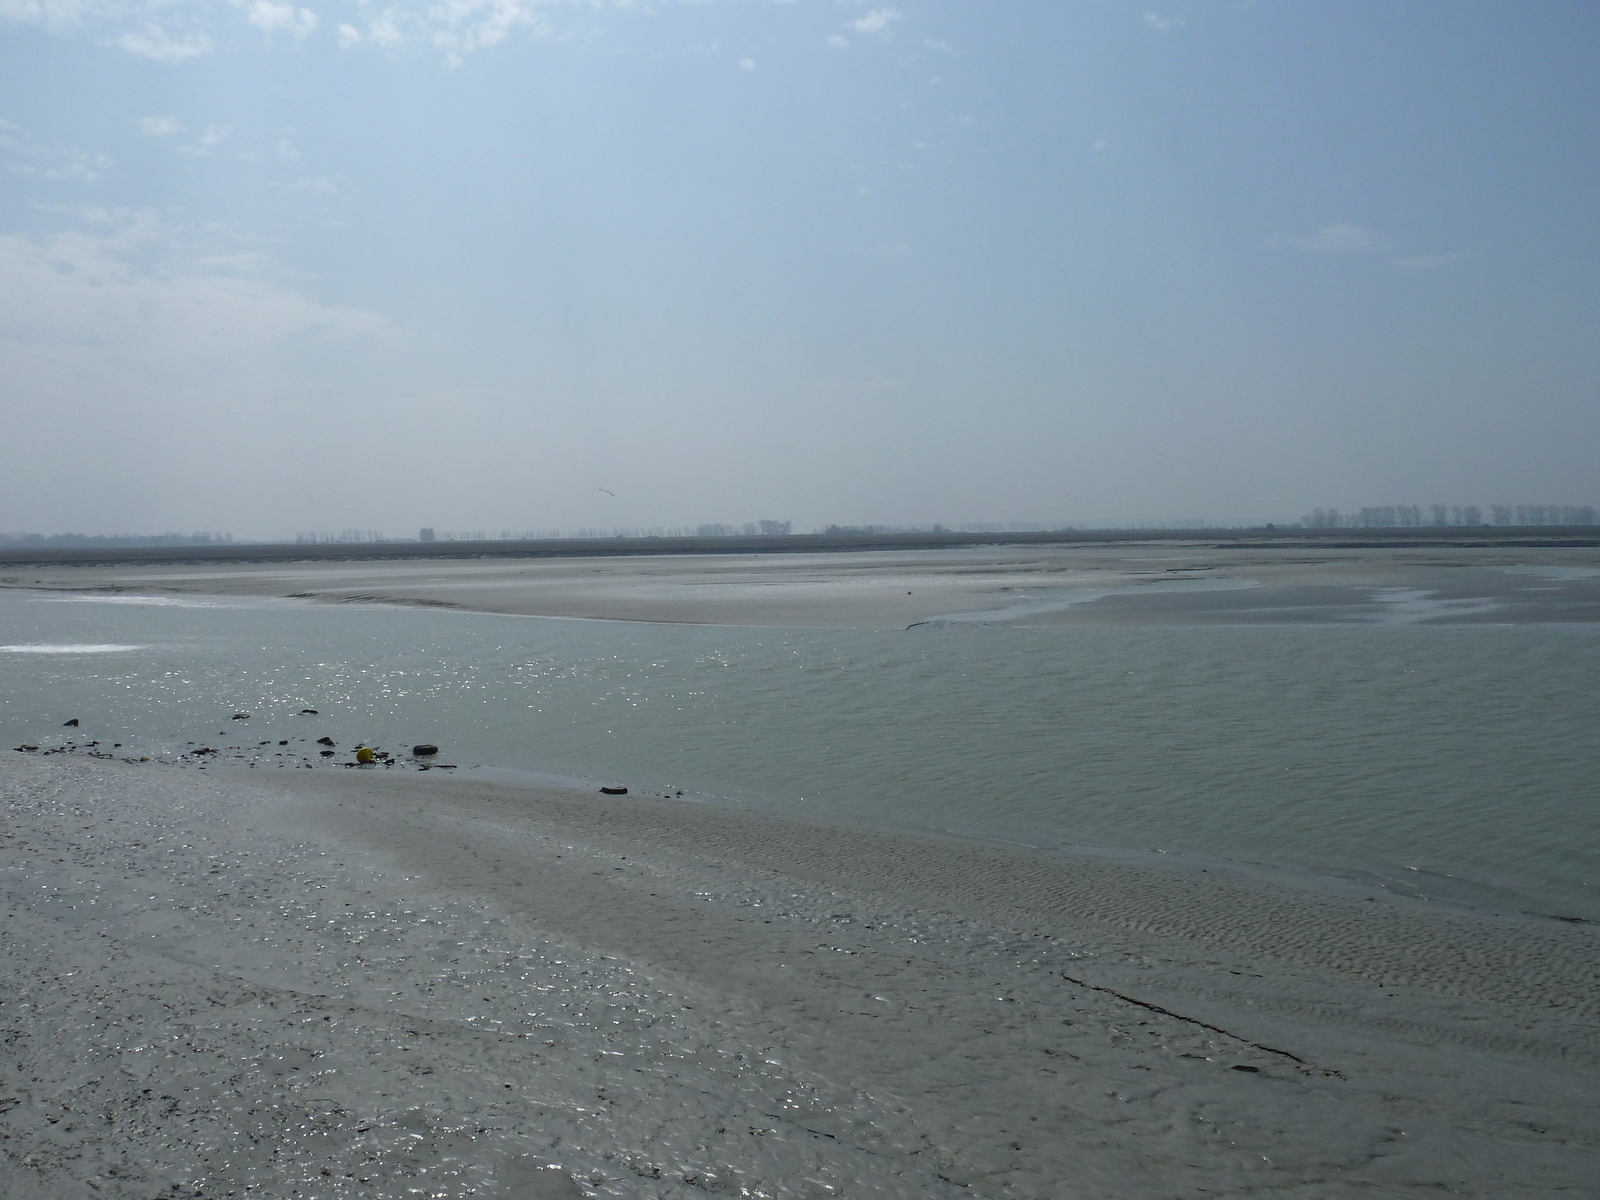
column 1509, row 537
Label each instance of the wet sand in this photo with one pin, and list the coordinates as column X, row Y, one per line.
column 346, row 983
column 1123, row 583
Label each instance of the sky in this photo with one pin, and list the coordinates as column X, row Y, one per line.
column 544, row 264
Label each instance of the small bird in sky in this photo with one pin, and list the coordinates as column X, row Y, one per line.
column 609, row 492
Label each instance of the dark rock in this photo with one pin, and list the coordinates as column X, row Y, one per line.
column 241, row 716
column 308, row 712
column 324, row 741
column 27, row 748
column 285, row 742
column 69, row 724
column 614, row 791
column 424, row 748
column 325, row 753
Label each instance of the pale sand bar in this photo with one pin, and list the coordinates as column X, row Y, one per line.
column 1127, row 582
column 328, row 984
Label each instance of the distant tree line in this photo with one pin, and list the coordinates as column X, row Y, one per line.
column 971, row 527
column 1393, row 516
column 113, row 540
column 313, row 538
column 748, row 529
column 714, row 529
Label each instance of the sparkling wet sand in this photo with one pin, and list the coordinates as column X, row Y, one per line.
column 349, row 983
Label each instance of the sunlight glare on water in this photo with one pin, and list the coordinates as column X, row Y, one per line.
column 1434, row 757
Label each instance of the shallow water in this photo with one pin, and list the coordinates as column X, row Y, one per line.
column 1455, row 762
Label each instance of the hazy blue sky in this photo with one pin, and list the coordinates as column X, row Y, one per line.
column 266, row 267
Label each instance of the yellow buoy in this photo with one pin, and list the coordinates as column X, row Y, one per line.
column 364, row 754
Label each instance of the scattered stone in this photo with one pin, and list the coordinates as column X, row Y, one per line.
column 324, row 741
column 614, row 791
column 285, row 742
column 69, row 724
column 308, row 712
column 241, row 716
column 424, row 748
column 27, row 748
column 326, row 753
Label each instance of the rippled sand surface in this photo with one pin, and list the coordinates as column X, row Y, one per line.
column 341, row 984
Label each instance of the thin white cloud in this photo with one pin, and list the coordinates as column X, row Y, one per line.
column 384, row 31
column 159, row 126
column 47, row 14
column 77, row 172
column 207, row 141
column 939, row 44
column 877, row 21
column 1340, row 239
column 838, row 41
column 128, row 288
column 271, row 17
column 177, row 30
column 155, row 42
column 461, row 26
column 1160, row 24
column 1431, row 262
column 24, row 156
column 747, row 64
column 164, row 30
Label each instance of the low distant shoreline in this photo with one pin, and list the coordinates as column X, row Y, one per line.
column 897, row 581
column 1417, row 537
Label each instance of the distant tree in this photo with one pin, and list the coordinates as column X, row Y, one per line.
column 1471, row 514
column 1502, row 514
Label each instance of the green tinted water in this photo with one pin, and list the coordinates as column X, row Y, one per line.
column 1454, row 761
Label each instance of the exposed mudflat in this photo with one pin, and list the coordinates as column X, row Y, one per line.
column 356, row 983
column 1138, row 583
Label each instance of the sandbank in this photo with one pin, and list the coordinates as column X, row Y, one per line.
column 1156, row 582
column 343, row 983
